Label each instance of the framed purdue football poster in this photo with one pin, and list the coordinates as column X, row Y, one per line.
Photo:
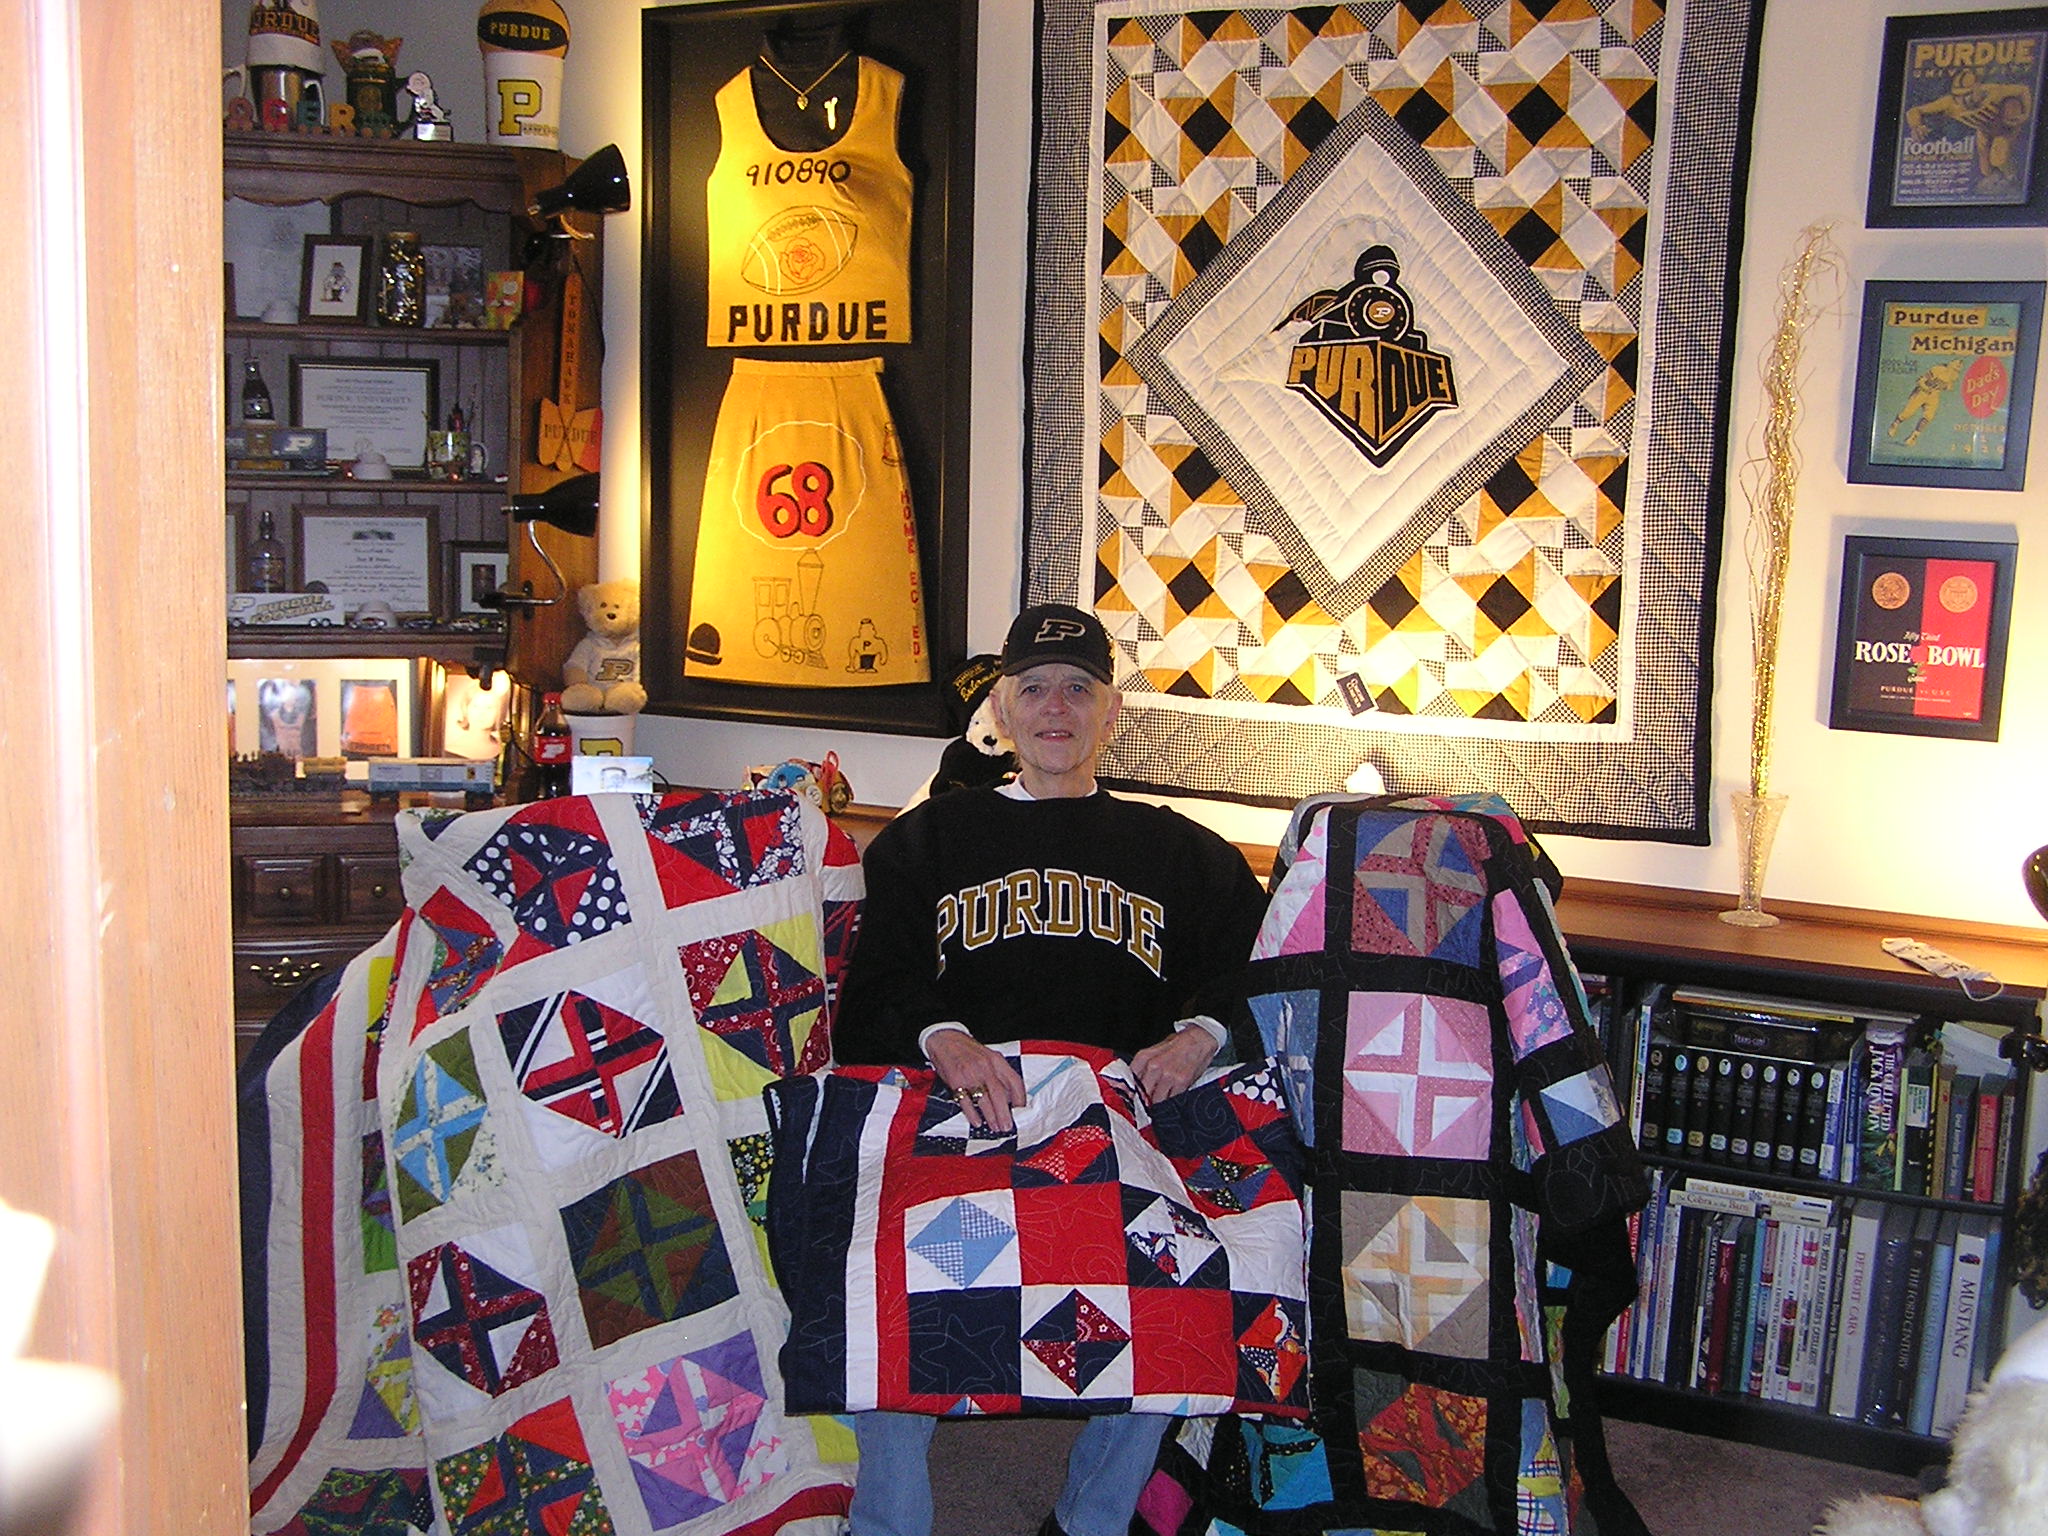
column 807, row 285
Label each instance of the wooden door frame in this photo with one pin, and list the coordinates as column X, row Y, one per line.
column 116, row 1103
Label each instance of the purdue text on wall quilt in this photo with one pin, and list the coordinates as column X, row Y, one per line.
column 1349, row 328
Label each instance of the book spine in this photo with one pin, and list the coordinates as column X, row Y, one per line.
column 1989, row 1342
column 1984, row 1143
column 1961, row 1142
column 1791, row 1112
column 1667, row 1289
column 1762, row 1146
column 1881, row 1332
column 1916, row 1124
column 1836, row 1277
column 2001, row 1167
column 1742, row 1293
column 1764, row 1291
column 1721, row 1307
column 1912, row 1319
column 1852, row 1115
column 1802, row 1371
column 1966, row 1298
column 1677, row 1102
column 1743, row 1126
column 1934, row 1313
column 1784, row 1317
column 1848, row 1364
column 1699, row 1108
column 1880, row 1140
column 1944, row 1094
column 1648, row 1276
column 1831, row 1132
column 1655, row 1084
column 1813, row 1119
column 1721, row 1109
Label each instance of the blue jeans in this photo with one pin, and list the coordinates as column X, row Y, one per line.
column 1106, row 1471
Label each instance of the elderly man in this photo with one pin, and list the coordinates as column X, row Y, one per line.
column 1042, row 909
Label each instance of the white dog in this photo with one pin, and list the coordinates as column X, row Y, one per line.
column 1997, row 1469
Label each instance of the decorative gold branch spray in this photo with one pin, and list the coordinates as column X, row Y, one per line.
column 1770, row 480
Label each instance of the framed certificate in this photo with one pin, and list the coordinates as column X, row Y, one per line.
column 1945, row 384
column 362, row 557
column 1920, row 637
column 380, row 406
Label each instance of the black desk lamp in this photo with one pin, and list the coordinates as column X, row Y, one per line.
column 570, row 506
column 598, row 186
column 2034, row 873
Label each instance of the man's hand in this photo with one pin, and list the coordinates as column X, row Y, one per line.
column 1171, row 1066
column 988, row 1087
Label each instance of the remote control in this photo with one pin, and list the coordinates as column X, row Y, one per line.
column 1938, row 962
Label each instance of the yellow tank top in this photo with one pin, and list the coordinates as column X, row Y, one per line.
column 809, row 249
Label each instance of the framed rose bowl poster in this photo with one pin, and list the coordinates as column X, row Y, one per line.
column 1958, row 141
column 1920, row 637
column 1945, row 384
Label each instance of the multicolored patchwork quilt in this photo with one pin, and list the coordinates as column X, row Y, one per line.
column 1469, row 1177
column 1103, row 1257
column 502, row 1183
column 1379, row 367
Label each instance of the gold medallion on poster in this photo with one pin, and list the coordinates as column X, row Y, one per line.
column 806, row 569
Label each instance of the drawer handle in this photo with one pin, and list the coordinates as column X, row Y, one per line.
column 283, row 893
column 378, row 890
column 287, row 974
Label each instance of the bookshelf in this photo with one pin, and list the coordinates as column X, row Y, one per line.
column 1653, row 945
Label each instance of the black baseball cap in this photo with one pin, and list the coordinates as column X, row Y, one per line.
column 1057, row 632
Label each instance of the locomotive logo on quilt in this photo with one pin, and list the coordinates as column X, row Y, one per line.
column 1363, row 363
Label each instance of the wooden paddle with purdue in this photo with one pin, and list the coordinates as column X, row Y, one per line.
column 569, row 438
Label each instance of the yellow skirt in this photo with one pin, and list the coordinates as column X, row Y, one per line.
column 806, row 570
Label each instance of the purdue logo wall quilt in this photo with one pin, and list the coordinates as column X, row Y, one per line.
column 503, row 1188
column 1378, row 370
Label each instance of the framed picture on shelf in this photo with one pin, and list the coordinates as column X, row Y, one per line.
column 357, row 707
column 265, row 244
column 1958, row 142
column 334, row 281
column 472, row 718
column 455, row 286
column 477, row 570
column 288, row 716
column 1945, row 384
column 1920, row 636
column 369, row 406
column 369, row 717
column 360, row 556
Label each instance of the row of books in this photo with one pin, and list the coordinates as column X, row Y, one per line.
column 1775, row 1086
column 1864, row 1308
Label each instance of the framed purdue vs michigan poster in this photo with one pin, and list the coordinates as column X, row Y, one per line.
column 1920, row 641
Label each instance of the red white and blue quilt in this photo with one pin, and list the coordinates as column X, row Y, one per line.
column 503, row 1183
column 1106, row 1256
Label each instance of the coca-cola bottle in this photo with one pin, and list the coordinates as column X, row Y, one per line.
column 551, row 750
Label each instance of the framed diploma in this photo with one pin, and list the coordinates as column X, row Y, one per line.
column 1945, row 384
column 363, row 557
column 368, row 406
column 1958, row 141
column 1920, row 637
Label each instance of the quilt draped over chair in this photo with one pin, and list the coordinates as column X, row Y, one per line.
column 503, row 1182
column 1469, row 1178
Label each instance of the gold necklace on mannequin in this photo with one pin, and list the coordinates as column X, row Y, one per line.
column 803, row 92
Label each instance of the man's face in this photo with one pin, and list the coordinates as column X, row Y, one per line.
column 1059, row 716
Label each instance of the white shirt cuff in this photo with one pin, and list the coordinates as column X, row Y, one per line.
column 929, row 1030
column 1208, row 1026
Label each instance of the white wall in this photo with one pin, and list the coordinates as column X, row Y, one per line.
column 1899, row 823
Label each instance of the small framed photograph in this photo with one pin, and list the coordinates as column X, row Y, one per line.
column 1958, row 142
column 265, row 244
column 287, row 716
column 478, row 570
column 472, row 719
column 1945, row 384
column 334, row 282
column 369, row 407
column 455, row 286
column 369, row 717
column 1920, row 636
column 360, row 556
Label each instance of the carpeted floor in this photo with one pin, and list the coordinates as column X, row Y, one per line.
column 998, row 1477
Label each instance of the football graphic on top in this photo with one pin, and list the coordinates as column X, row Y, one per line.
column 798, row 250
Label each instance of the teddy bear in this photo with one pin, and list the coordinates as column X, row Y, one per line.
column 981, row 754
column 602, row 674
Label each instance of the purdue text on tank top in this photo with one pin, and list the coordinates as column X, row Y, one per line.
column 809, row 249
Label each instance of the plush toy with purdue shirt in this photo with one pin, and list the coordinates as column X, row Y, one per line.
column 602, row 674
column 980, row 754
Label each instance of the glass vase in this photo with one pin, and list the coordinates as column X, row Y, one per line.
column 1756, row 828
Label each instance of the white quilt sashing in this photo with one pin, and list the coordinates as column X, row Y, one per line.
column 515, row 1277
